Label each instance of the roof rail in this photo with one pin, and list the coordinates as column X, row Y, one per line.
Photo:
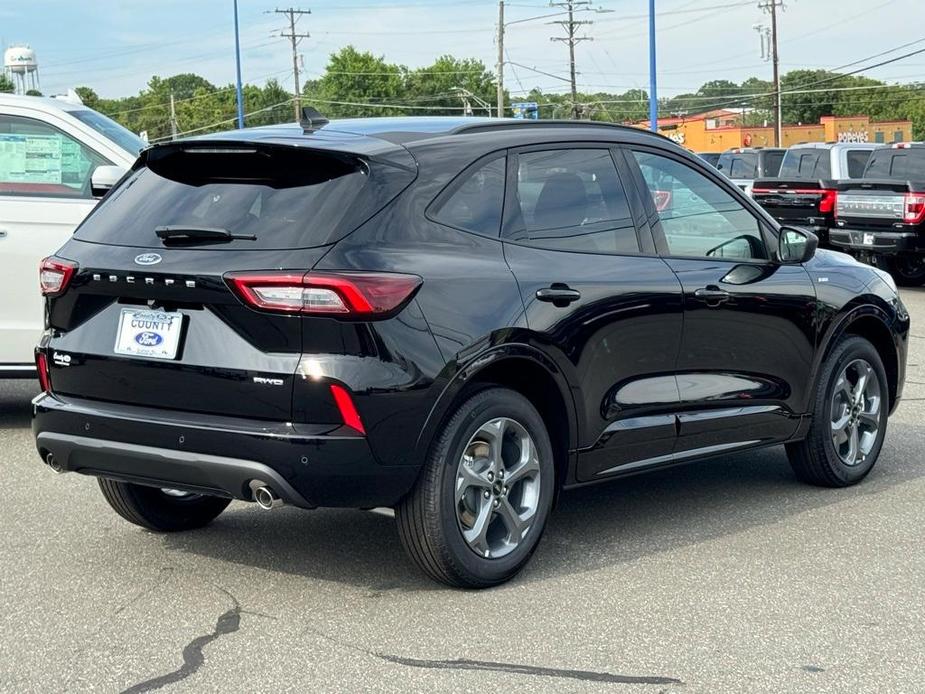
column 503, row 123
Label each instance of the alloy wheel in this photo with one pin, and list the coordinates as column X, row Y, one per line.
column 497, row 490
column 855, row 413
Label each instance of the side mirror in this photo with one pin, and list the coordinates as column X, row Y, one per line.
column 719, row 167
column 795, row 246
column 104, row 178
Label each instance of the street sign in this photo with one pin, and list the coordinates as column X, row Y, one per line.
column 528, row 110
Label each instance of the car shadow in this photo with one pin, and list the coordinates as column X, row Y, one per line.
column 591, row 528
column 15, row 402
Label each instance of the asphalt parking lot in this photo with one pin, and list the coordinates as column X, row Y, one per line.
column 725, row 576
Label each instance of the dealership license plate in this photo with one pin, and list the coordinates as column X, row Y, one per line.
column 868, row 239
column 147, row 333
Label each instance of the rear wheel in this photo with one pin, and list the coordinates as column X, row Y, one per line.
column 849, row 421
column 481, row 503
column 908, row 269
column 161, row 510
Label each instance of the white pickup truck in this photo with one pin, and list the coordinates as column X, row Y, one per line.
column 57, row 158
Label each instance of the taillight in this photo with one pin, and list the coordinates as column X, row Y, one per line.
column 827, row 198
column 55, row 275
column 914, row 208
column 348, row 294
column 348, row 411
column 41, row 365
column 827, row 201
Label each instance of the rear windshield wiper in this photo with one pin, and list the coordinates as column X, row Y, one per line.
column 192, row 234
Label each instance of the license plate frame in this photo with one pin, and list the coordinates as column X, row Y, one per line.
column 149, row 334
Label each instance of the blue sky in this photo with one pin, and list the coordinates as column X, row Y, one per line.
column 115, row 46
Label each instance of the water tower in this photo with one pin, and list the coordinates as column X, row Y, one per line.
column 21, row 67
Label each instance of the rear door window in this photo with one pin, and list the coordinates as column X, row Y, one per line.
column 571, row 200
column 475, row 201
column 282, row 197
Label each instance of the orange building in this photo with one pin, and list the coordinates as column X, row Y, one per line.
column 716, row 131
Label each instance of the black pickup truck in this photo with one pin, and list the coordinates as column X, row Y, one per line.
column 880, row 218
column 799, row 202
column 804, row 192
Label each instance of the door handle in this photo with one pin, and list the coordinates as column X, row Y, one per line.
column 713, row 295
column 560, row 295
column 3, row 234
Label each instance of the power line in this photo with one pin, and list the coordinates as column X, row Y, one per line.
column 224, row 122
column 825, row 80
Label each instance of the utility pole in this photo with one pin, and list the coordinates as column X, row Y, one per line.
column 653, row 74
column 295, row 39
column 571, row 27
column 500, row 59
column 239, row 91
column 771, row 7
column 173, row 119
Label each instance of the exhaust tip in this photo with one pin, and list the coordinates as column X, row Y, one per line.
column 266, row 499
column 53, row 462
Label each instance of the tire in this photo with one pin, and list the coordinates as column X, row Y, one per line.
column 160, row 511
column 822, row 458
column 432, row 519
column 908, row 269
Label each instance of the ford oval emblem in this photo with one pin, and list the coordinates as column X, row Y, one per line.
column 148, row 259
column 148, row 339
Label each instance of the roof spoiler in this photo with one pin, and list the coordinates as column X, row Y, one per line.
column 312, row 119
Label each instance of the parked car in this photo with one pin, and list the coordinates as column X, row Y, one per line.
column 744, row 164
column 56, row 159
column 803, row 193
column 881, row 218
column 454, row 317
column 711, row 158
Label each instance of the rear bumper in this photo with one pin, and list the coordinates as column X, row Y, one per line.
column 879, row 241
column 305, row 465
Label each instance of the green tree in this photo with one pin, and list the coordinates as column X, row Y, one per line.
column 440, row 87
column 6, row 85
column 90, row 98
column 353, row 81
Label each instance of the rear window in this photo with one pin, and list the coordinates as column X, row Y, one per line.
column 283, row 197
column 744, row 165
column 897, row 163
column 806, row 162
column 857, row 160
column 772, row 162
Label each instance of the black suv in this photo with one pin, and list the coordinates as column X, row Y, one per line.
column 456, row 318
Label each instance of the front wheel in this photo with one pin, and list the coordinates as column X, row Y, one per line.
column 908, row 269
column 480, row 505
column 849, row 418
column 161, row 510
